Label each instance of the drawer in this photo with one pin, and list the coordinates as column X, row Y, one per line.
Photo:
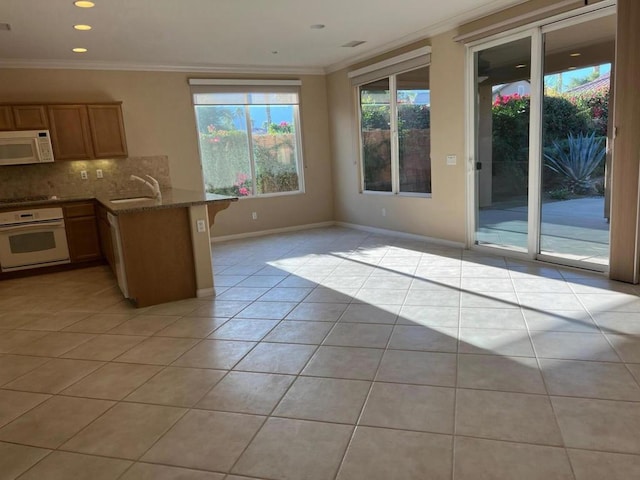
column 86, row 209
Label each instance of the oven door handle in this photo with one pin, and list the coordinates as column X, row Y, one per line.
column 32, row 226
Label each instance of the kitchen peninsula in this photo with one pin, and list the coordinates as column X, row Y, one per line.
column 159, row 249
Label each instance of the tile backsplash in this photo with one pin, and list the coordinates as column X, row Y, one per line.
column 63, row 178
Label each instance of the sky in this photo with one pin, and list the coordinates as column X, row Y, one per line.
column 568, row 76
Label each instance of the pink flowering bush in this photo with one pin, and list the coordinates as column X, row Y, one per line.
column 279, row 128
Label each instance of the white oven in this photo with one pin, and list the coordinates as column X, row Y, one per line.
column 32, row 238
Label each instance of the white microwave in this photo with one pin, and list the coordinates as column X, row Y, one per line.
column 24, row 147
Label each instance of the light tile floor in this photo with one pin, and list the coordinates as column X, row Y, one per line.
column 328, row 354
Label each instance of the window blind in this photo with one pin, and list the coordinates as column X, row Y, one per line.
column 408, row 61
column 211, row 91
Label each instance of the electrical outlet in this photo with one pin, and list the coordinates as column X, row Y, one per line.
column 452, row 159
column 201, row 226
column 254, row 215
column 83, row 175
column 99, row 173
column 384, row 212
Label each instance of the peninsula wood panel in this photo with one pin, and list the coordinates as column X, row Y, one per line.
column 626, row 160
column 158, row 255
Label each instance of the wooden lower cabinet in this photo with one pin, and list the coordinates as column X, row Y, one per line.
column 82, row 232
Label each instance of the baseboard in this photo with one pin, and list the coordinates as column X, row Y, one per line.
column 396, row 233
column 261, row 233
column 205, row 292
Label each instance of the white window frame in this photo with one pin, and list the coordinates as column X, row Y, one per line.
column 210, row 85
column 390, row 69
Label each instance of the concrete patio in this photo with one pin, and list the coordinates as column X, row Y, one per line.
column 574, row 229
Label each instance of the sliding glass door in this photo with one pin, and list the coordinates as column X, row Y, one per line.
column 503, row 119
column 540, row 128
column 575, row 120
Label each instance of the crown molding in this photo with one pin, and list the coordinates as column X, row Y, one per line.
column 432, row 30
column 230, row 69
column 435, row 29
column 419, row 52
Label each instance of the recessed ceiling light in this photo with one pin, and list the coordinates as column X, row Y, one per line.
column 84, row 4
column 79, row 50
column 317, row 26
column 82, row 27
column 522, row 65
column 353, row 43
column 576, row 54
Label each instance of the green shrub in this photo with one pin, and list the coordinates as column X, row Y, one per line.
column 577, row 161
column 562, row 193
column 510, row 141
column 561, row 118
column 594, row 105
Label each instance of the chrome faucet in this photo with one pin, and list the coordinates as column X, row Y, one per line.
column 154, row 185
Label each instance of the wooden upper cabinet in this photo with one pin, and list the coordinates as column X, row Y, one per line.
column 30, row 117
column 6, row 118
column 107, row 131
column 70, row 136
column 78, row 131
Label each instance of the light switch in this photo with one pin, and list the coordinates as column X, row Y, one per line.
column 452, row 159
column 201, row 226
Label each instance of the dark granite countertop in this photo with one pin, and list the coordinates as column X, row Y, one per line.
column 171, row 198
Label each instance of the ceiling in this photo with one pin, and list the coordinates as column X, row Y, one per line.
column 217, row 34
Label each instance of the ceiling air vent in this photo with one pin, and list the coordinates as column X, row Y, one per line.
column 5, row 26
column 353, row 43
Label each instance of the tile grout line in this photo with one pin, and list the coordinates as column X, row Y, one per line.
column 454, row 430
column 544, row 381
column 270, row 415
column 367, row 396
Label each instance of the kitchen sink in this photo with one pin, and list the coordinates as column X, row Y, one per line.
column 130, row 199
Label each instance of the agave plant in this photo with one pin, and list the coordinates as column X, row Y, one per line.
column 577, row 161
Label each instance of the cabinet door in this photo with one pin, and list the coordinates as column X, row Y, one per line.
column 6, row 118
column 70, row 132
column 30, row 117
column 82, row 238
column 107, row 131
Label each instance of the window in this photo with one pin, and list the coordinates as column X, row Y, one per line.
column 395, row 126
column 249, row 139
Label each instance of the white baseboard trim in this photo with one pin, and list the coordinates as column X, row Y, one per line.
column 205, row 292
column 396, row 233
column 261, row 233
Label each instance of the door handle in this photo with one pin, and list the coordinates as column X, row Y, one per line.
column 32, row 226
